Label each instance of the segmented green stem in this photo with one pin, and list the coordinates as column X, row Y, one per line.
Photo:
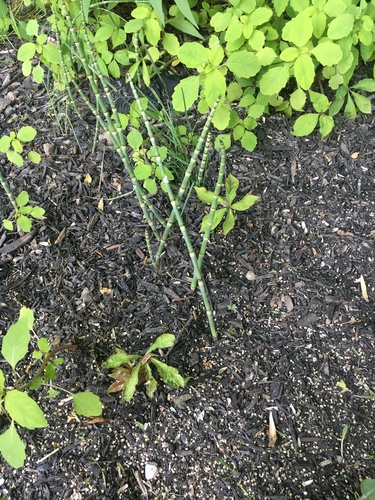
column 211, row 215
column 7, row 189
column 204, row 161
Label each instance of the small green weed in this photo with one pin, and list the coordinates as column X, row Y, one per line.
column 128, row 374
column 17, row 405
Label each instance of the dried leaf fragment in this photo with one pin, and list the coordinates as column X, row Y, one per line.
column 272, row 433
column 361, row 281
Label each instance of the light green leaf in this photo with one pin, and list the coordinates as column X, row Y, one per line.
column 186, row 93
column 298, row 30
column 326, row 124
column 298, row 99
column 37, row 212
column 34, row 157
column 157, row 5
column 5, row 143
column 362, row 103
column 135, row 139
column 43, row 345
column 184, row 26
column 24, row 223
column 32, row 27
column 304, row 71
column 319, row 21
column 204, row 195
column 222, row 139
column 289, row 54
column 266, row 56
column 231, row 186
column 150, row 185
column 319, row 101
column 26, row 51
column 245, row 203
column 8, row 224
column 249, row 141
column 118, row 38
column 229, row 222
column 215, row 86
column 118, row 359
column 184, row 7
column 22, row 199
column 305, row 124
column 218, row 217
column 260, row 16
column 12, row 447
column 350, row 111
column 130, row 384
column 16, row 342
column 280, row 6
column 26, row 313
column 122, row 57
column 327, row 53
column 243, row 64
column 104, row 33
column 367, row 84
column 162, row 342
column 193, row 55
column 341, row 26
column 24, row 410
column 169, row 374
column 15, row 158
column 142, row 171
column 87, row 404
column 334, row 8
column 171, row 43
column 51, row 53
column 274, row 80
column 152, row 31
column 222, row 116
column 26, row 134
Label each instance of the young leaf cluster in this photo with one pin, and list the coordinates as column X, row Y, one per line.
column 131, row 370
column 229, row 207
column 18, row 406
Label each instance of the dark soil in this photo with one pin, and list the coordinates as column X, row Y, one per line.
column 292, row 317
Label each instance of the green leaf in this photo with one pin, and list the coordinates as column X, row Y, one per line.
column 249, row 141
column 341, row 26
column 299, row 30
column 37, row 212
column 15, row 158
column 350, row 111
column 142, row 171
column 26, row 313
column 157, row 5
column 118, row 359
column 171, row 43
column 229, row 222
column 221, row 117
column 289, row 54
column 298, row 99
column 24, row 410
column 243, row 64
column 204, row 195
column 218, row 217
column 22, row 199
column 274, row 80
column 305, row 124
column 184, row 7
column 186, row 93
column 150, row 185
column 87, row 404
column 327, row 53
column 367, row 84
column 8, row 224
column 193, row 55
column 130, row 384
column 231, row 186
column 326, row 124
column 184, row 26
column 319, row 101
column 12, row 447
column 26, row 51
column 135, row 139
column 2, row 384
column 104, row 33
column 24, row 223
column 260, row 16
column 169, row 374
column 38, row 73
column 162, row 342
column 16, row 342
column 34, row 157
column 32, row 27
column 304, row 71
column 43, row 345
column 368, row 489
column 152, row 31
column 26, row 134
column 362, row 102
column 215, row 86
column 5, row 143
column 245, row 203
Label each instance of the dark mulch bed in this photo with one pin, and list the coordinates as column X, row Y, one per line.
column 289, row 309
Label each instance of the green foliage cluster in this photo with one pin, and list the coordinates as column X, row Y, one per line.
column 18, row 406
column 13, row 146
column 130, row 370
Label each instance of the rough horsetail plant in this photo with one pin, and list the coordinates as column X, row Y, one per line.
column 75, row 47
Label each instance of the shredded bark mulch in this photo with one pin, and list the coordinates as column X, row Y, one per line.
column 292, row 287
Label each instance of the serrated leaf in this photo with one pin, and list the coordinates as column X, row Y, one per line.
column 169, row 374
column 231, row 186
column 341, row 26
column 5, row 143
column 193, row 55
column 304, row 71
column 222, row 116
column 87, row 404
column 367, row 84
column 298, row 30
column 26, row 134
column 243, row 64
column 37, row 212
column 131, row 384
column 218, row 217
column 38, row 73
column 12, row 447
column 305, row 124
column 24, row 223
column 142, row 171
column 8, row 224
column 22, row 199
column 326, row 124
column 245, row 203
column 362, row 102
column 24, row 410
column 204, row 195
column 43, row 345
column 150, row 185
column 274, row 80
column 118, row 359
column 15, row 158
column 186, row 93
column 34, row 157
column 229, row 222
column 162, row 342
column 249, row 141
column 327, row 53
column 26, row 51
column 16, row 342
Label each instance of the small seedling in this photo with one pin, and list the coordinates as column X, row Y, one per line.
column 228, row 212
column 15, row 403
column 128, row 374
column 24, row 213
column 344, row 433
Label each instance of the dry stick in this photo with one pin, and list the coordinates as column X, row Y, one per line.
column 211, row 215
column 178, row 216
